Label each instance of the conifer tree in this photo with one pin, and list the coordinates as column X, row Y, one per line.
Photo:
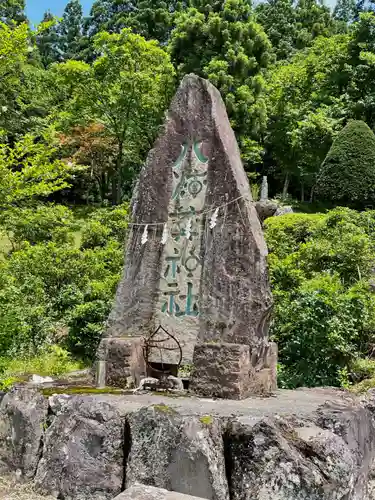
column 152, row 19
column 47, row 40
column 348, row 171
column 71, row 42
column 12, row 11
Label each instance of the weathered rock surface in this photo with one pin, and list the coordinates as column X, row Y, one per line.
column 265, row 209
column 196, row 257
column 142, row 492
column 23, row 414
column 83, row 452
column 316, row 444
column 283, row 459
column 283, row 211
column 184, row 454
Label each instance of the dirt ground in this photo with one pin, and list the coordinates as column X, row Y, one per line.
column 11, row 490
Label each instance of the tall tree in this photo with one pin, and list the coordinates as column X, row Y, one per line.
column 12, row 11
column 152, row 19
column 228, row 47
column 126, row 89
column 361, row 92
column 345, row 11
column 278, row 18
column 28, row 170
column 47, row 40
column 107, row 15
column 314, row 19
column 305, row 105
column 71, row 40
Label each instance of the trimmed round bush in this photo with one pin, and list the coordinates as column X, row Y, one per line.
column 347, row 174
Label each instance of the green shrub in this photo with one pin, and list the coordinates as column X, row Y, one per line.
column 347, row 174
column 287, row 232
column 105, row 224
column 320, row 329
column 95, row 234
column 39, row 224
column 361, row 369
column 324, row 311
column 25, row 322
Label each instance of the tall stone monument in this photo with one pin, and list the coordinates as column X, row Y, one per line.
column 195, row 263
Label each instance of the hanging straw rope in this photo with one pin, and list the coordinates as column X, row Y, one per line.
column 224, row 205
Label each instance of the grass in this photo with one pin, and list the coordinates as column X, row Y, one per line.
column 364, row 386
column 164, row 409
column 52, row 363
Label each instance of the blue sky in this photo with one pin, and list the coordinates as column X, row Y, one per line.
column 36, row 8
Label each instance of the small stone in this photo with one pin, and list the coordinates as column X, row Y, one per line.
column 264, row 189
column 38, row 380
column 283, row 211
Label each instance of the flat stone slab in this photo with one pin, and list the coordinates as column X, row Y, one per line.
column 301, row 401
column 142, row 492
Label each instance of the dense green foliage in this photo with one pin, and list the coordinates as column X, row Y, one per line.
column 81, row 101
column 348, row 171
column 56, row 288
column 321, row 269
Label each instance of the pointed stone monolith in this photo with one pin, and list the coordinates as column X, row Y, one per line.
column 195, row 264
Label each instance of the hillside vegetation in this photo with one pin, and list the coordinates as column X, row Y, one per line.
column 81, row 102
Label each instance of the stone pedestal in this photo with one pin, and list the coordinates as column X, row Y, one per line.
column 225, row 370
column 221, row 370
column 120, row 362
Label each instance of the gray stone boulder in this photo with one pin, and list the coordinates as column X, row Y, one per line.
column 23, row 414
column 143, row 492
column 283, row 210
column 179, row 453
column 325, row 457
column 265, row 209
column 83, row 452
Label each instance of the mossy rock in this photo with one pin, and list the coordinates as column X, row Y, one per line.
column 49, row 391
column 206, row 420
column 165, row 409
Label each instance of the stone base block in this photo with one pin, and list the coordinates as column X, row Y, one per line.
column 120, row 362
column 225, row 371
column 221, row 370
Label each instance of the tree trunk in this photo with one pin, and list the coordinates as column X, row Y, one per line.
column 286, row 186
column 312, row 194
column 302, row 192
column 116, row 179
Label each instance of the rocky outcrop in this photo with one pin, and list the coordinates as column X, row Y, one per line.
column 142, row 492
column 179, row 453
column 83, row 452
column 285, row 459
column 23, row 415
column 314, row 444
